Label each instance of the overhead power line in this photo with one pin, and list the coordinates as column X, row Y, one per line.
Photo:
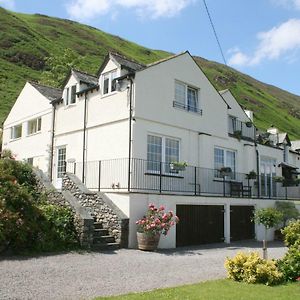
column 215, row 33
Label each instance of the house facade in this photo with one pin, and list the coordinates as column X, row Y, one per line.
column 163, row 134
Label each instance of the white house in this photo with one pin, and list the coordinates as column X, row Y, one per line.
column 123, row 131
column 28, row 128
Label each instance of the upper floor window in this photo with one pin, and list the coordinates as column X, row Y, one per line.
column 70, row 95
column 34, row 126
column 109, row 84
column 224, row 158
column 232, row 124
column 186, row 97
column 16, row 132
column 161, row 151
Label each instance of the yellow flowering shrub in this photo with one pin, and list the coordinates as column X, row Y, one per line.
column 251, row 268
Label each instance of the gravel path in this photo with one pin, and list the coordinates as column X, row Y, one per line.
column 87, row 275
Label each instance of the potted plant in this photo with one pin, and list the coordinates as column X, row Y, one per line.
column 251, row 175
column 237, row 134
column 178, row 166
column 225, row 171
column 249, row 124
column 155, row 222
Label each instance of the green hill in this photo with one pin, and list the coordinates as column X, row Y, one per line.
column 26, row 40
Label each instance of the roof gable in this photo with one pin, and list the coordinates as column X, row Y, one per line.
column 49, row 92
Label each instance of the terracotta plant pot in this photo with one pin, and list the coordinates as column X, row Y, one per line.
column 147, row 242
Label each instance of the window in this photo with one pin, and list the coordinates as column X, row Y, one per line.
column 70, row 95
column 232, row 122
column 16, row 132
column 109, row 84
column 224, row 158
column 30, row 161
column 73, row 94
column 34, row 126
column 161, row 149
column 186, row 97
column 61, row 162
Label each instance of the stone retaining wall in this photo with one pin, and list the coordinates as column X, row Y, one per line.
column 101, row 209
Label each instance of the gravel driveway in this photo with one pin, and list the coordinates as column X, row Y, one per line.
column 87, row 275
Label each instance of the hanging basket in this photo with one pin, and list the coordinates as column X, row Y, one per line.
column 147, row 242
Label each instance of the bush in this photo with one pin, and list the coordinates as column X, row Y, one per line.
column 27, row 223
column 291, row 233
column 290, row 264
column 250, row 268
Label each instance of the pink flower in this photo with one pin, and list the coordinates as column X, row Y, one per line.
column 298, row 278
column 161, row 208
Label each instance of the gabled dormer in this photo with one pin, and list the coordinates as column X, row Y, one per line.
column 75, row 82
column 114, row 67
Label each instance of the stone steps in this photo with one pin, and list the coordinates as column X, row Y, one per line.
column 102, row 240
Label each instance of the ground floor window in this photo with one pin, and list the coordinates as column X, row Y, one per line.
column 224, row 158
column 61, row 162
column 161, row 149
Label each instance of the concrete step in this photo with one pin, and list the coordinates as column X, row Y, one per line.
column 98, row 225
column 104, row 239
column 100, row 232
column 105, row 246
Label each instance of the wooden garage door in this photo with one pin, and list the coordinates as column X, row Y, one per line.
column 241, row 226
column 199, row 224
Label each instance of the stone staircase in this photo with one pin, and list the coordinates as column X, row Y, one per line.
column 102, row 240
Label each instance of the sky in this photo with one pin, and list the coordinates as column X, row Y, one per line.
column 259, row 37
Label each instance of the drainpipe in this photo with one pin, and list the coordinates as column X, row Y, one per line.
column 130, row 133
column 52, row 141
column 84, row 138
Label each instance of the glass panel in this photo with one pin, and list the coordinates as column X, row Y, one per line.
column 61, row 162
column 113, row 82
column 231, row 124
column 105, row 84
column 180, row 93
column 154, row 152
column 218, row 161
column 230, row 162
column 39, row 126
column 192, row 97
column 73, row 94
column 16, row 132
column 67, row 96
column 171, row 153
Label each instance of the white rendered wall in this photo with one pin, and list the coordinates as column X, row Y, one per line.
column 30, row 105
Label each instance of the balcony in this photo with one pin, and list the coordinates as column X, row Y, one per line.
column 163, row 178
column 241, row 130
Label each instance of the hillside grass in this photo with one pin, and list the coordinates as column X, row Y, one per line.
column 26, row 40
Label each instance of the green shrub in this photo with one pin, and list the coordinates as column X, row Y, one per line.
column 289, row 265
column 250, row 268
column 291, row 233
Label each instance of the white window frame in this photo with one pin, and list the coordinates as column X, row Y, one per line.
column 68, row 95
column 163, row 154
column 110, row 80
column 225, row 164
column 13, row 132
column 185, row 105
column 38, row 124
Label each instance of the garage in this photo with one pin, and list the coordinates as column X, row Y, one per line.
column 241, row 226
column 199, row 224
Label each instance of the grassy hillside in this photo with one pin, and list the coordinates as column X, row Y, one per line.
column 25, row 41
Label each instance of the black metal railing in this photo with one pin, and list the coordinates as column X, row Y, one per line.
column 187, row 107
column 241, row 130
column 158, row 177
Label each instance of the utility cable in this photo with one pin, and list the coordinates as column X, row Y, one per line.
column 214, row 30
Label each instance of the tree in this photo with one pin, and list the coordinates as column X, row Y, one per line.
column 59, row 66
column 288, row 209
column 269, row 218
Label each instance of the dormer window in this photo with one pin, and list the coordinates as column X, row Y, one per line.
column 71, row 95
column 109, row 84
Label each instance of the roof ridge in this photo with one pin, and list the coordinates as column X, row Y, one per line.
column 126, row 58
column 82, row 72
column 43, row 85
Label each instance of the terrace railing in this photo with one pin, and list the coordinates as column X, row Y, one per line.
column 165, row 178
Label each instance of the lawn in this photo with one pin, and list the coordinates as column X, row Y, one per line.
column 219, row 290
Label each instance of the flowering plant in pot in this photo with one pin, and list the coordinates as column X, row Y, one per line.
column 155, row 222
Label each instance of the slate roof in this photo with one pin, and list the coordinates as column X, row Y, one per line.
column 85, row 77
column 126, row 63
column 49, row 92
